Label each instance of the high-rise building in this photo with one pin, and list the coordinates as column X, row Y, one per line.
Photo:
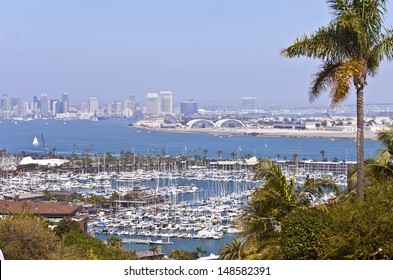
column 248, row 103
column 5, row 103
column 56, row 107
column 36, row 105
column 109, row 109
column 44, row 105
column 132, row 100
column 166, row 102
column 83, row 106
column 65, row 103
column 19, row 107
column 189, row 107
column 93, row 105
column 118, row 108
column 152, row 104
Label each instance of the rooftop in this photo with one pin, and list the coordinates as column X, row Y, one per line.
column 38, row 208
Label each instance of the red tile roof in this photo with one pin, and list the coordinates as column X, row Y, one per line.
column 46, row 209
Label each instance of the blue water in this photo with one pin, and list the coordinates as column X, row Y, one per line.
column 112, row 135
column 209, row 245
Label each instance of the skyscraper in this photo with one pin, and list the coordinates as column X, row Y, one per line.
column 5, row 104
column 44, row 105
column 132, row 99
column 65, row 103
column 152, row 104
column 36, row 105
column 93, row 105
column 83, row 106
column 55, row 107
column 166, row 102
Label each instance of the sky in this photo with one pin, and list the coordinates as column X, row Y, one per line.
column 211, row 51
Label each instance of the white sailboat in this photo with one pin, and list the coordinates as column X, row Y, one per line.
column 35, row 142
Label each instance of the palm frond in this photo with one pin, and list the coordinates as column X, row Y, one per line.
column 321, row 80
column 386, row 138
column 384, row 47
column 322, row 44
column 342, row 74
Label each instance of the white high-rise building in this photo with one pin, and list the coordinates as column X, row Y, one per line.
column 93, row 105
column 166, row 102
column 152, row 104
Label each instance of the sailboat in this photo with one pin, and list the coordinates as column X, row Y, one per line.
column 35, row 142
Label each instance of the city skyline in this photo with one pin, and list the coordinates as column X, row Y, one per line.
column 206, row 50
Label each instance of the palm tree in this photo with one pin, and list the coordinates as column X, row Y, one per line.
column 323, row 152
column 205, row 151
column 351, row 48
column 233, row 250
column 274, row 200
column 269, row 203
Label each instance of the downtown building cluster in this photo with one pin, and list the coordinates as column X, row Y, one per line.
column 155, row 104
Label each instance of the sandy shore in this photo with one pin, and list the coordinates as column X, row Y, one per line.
column 368, row 135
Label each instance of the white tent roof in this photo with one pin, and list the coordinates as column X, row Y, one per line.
column 252, row 161
column 47, row 162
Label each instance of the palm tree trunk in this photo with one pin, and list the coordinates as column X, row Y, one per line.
column 360, row 142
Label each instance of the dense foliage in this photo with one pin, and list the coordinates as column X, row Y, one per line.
column 26, row 237
column 280, row 224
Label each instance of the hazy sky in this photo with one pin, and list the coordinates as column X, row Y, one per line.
column 202, row 49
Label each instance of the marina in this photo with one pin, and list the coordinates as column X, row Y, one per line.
column 172, row 206
column 168, row 209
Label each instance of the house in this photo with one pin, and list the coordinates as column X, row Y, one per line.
column 54, row 212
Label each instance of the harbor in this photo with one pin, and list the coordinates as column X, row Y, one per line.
column 170, row 195
column 169, row 209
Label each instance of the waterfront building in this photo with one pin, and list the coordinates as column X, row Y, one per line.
column 128, row 108
column 5, row 106
column 118, row 108
column 93, row 105
column 248, row 103
column 83, row 107
column 166, row 107
column 189, row 107
column 132, row 100
column 20, row 108
column 65, row 103
column 152, row 104
column 44, row 105
column 36, row 105
column 55, row 107
column 108, row 109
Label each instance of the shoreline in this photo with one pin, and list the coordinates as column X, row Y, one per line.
column 321, row 134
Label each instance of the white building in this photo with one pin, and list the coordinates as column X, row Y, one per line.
column 152, row 104
column 93, row 105
column 166, row 102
